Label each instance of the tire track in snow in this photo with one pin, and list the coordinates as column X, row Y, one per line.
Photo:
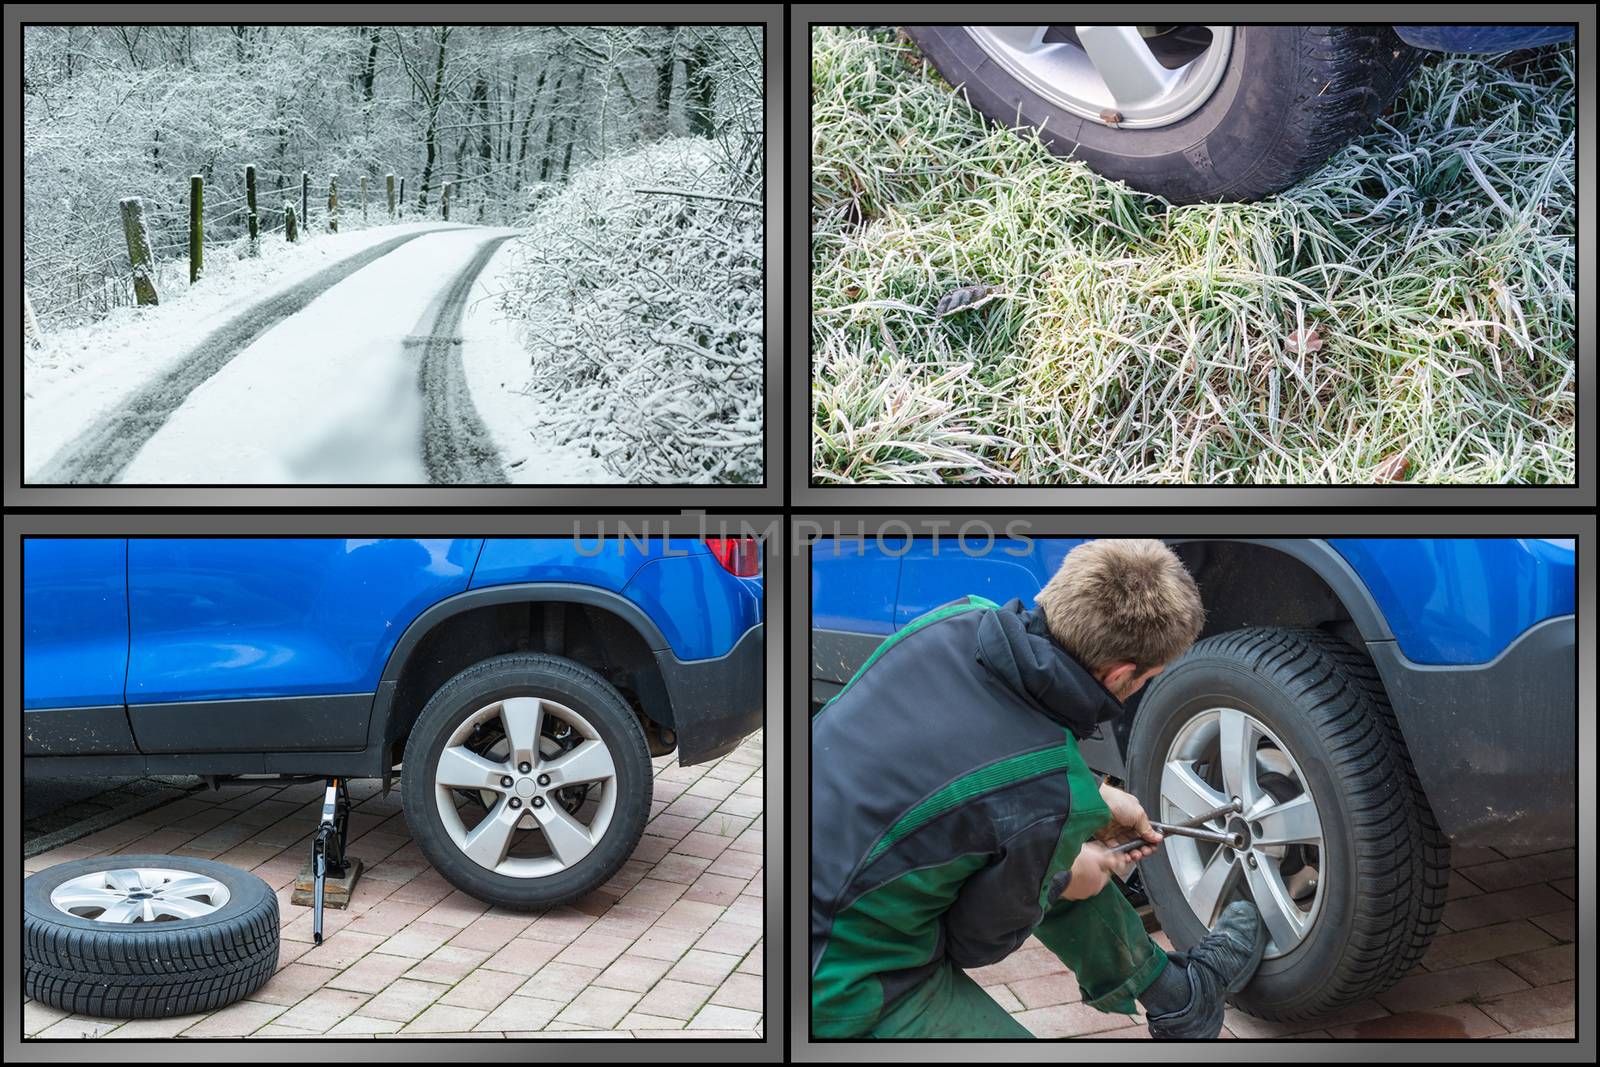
column 457, row 448
column 101, row 453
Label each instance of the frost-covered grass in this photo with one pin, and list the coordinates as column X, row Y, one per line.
column 643, row 316
column 1405, row 312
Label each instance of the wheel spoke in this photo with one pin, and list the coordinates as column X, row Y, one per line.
column 124, row 881
column 195, row 885
column 569, row 839
column 1237, row 737
column 461, row 768
column 589, row 762
column 182, row 907
column 123, row 911
column 524, row 719
column 86, row 897
column 1216, row 881
column 1020, row 38
column 489, row 841
column 1292, row 822
column 1282, row 917
column 1185, row 790
column 1124, row 62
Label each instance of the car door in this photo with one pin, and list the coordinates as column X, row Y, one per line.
column 272, row 644
column 74, row 646
column 937, row 571
column 854, row 583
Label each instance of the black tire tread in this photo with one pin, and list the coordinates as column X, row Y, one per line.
column 558, row 665
column 1402, row 856
column 155, row 973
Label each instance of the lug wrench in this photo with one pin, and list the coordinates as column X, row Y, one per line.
column 1191, row 828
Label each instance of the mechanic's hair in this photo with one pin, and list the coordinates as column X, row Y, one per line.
column 1118, row 600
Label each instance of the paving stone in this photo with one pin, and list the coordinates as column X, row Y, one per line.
column 359, row 1025
column 1525, row 870
column 323, row 1010
column 1485, row 943
column 293, row 984
column 490, row 933
column 559, row 981
column 419, row 939
column 1473, row 982
column 1487, row 908
column 741, row 991
column 1561, row 925
column 593, row 950
column 1441, row 1023
column 635, row 973
column 448, row 965
column 1544, row 966
column 152, row 1029
column 482, row 989
column 521, row 1013
column 1251, row 1028
column 598, row 1007
column 79, row 1026
column 1559, row 1032
column 718, row 1017
column 445, row 1019
column 403, row 1000
column 522, row 955
column 675, row 1000
column 1069, row 1020
column 373, row 973
column 458, row 910
column 1544, row 1006
column 239, row 1019
column 1046, row 991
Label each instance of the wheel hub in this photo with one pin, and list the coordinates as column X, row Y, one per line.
column 139, row 895
column 518, row 758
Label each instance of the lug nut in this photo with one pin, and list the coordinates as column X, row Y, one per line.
column 1251, row 859
column 544, row 779
column 515, row 803
column 538, row 802
column 505, row 780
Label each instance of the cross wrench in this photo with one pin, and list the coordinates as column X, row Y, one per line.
column 1191, row 828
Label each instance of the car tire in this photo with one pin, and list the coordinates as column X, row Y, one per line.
column 80, row 956
column 1288, row 98
column 571, row 698
column 1328, row 738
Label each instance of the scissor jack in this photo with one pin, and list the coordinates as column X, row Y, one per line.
column 329, row 860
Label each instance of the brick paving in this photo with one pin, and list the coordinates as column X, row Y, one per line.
column 1501, row 965
column 671, row 946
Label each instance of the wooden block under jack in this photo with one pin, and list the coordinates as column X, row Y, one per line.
column 335, row 891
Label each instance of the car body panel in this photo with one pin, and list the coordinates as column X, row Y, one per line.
column 74, row 621
column 1481, row 39
column 1474, row 640
column 273, row 655
column 1463, row 600
column 235, row 618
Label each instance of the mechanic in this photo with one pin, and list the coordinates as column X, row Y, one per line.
column 953, row 816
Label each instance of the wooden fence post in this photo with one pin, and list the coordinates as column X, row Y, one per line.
column 363, row 198
column 305, row 197
column 250, row 203
column 444, row 202
column 289, row 230
column 197, row 197
column 402, row 196
column 333, row 203
column 390, row 182
column 137, row 235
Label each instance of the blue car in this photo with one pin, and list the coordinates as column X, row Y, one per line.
column 522, row 684
column 1199, row 113
column 1382, row 698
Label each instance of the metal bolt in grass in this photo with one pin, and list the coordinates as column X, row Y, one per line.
column 1432, row 261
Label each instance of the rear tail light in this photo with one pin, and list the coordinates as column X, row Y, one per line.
column 739, row 556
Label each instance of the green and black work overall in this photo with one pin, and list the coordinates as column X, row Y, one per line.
column 948, row 801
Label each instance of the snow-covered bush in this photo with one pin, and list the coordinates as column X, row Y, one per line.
column 643, row 313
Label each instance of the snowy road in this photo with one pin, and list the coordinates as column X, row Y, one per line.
column 351, row 376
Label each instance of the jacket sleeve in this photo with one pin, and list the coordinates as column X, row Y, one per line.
column 998, row 906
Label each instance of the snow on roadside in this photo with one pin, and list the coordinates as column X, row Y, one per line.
column 496, row 367
column 91, row 369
